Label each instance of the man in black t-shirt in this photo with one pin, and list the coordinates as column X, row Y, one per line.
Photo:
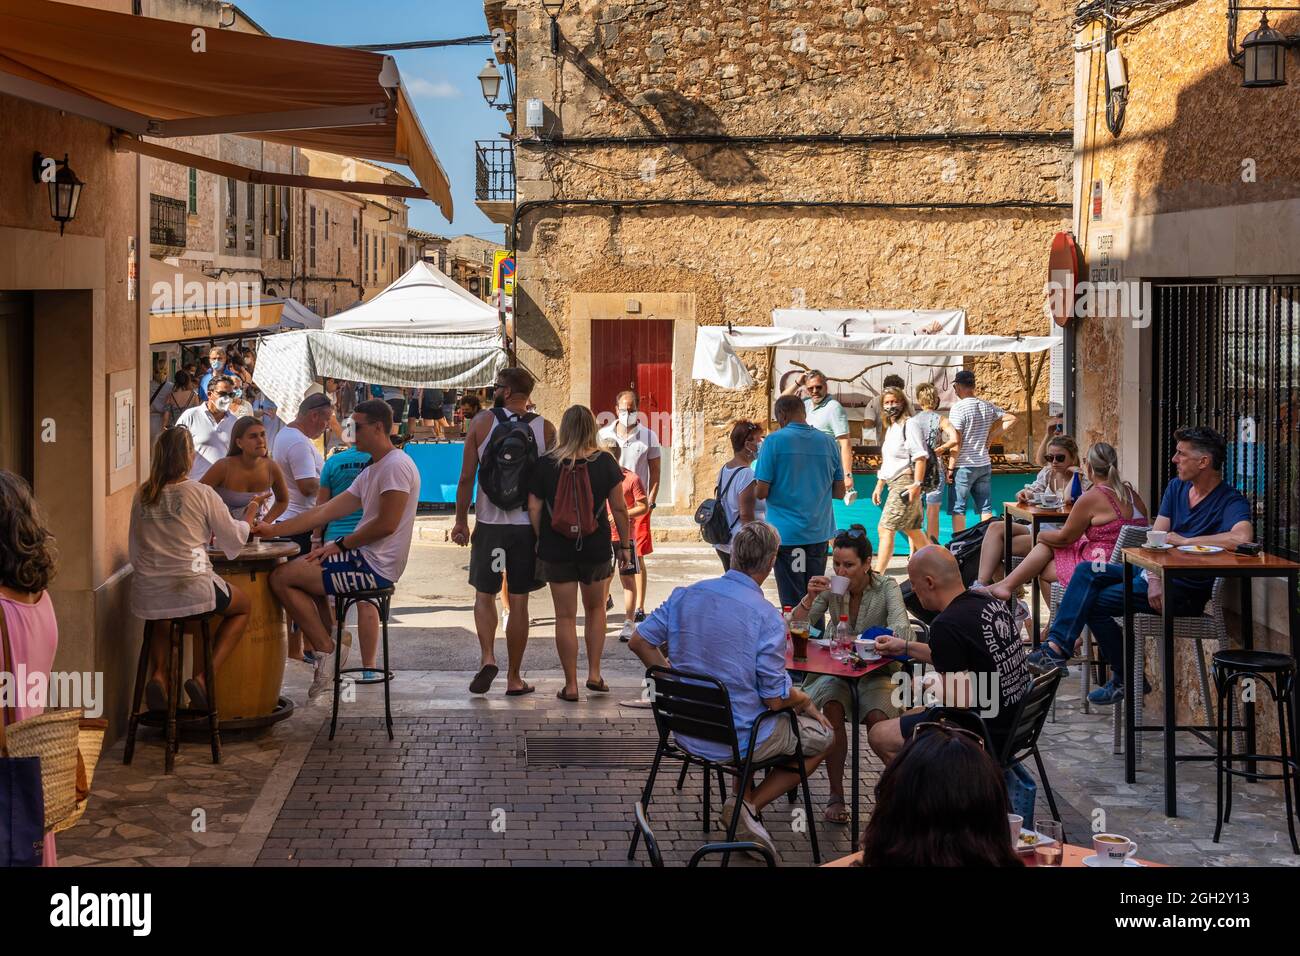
column 974, row 646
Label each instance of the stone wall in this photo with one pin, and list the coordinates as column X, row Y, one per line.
column 709, row 67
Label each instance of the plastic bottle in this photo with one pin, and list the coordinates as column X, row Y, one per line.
column 786, row 611
column 843, row 640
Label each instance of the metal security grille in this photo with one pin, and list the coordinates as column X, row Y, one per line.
column 166, row 221
column 1228, row 356
column 494, row 171
column 597, row 752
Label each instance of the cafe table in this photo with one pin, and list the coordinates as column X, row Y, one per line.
column 820, row 661
column 1035, row 515
column 249, row 680
column 1072, row 856
column 1173, row 563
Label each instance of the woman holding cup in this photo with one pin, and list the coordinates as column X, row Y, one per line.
column 1058, row 478
column 868, row 600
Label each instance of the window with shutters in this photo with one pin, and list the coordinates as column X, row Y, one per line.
column 232, row 215
column 311, row 238
column 193, row 207
column 250, row 223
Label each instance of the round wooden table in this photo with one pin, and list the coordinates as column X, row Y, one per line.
column 248, row 682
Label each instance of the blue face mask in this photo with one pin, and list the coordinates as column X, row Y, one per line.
column 215, row 363
column 238, row 393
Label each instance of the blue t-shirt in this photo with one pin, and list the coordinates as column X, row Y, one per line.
column 800, row 464
column 223, row 371
column 340, row 471
column 1216, row 513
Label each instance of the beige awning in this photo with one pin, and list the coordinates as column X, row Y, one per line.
column 184, row 306
column 145, row 77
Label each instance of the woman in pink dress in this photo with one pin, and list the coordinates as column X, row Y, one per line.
column 27, row 563
column 1089, row 533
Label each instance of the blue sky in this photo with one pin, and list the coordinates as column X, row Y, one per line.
column 443, row 82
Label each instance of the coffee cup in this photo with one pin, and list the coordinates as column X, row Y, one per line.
column 1112, row 849
column 865, row 647
column 839, row 585
column 1051, row 500
column 1016, row 821
column 1157, row 539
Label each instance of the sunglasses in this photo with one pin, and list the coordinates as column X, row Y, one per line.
column 816, row 388
column 1059, row 459
column 932, row 725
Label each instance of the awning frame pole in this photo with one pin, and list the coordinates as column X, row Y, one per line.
column 371, row 114
column 86, row 107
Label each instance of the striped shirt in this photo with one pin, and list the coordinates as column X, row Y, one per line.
column 973, row 417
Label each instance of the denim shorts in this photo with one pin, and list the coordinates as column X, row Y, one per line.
column 975, row 483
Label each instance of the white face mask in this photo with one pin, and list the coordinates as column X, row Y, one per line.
column 628, row 417
column 223, row 403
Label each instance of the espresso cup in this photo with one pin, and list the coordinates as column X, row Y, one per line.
column 1157, row 538
column 866, row 648
column 1112, row 849
column 839, row 585
column 1016, row 821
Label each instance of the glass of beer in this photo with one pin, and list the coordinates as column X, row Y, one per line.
column 1051, row 833
column 799, row 638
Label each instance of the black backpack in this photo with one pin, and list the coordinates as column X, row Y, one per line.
column 508, row 460
column 931, row 480
column 711, row 516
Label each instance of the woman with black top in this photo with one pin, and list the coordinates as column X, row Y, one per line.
column 583, row 564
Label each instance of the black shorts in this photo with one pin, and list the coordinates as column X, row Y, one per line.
column 494, row 547
column 398, row 405
column 223, row 598
column 303, row 541
column 908, row 722
column 567, row 572
column 431, row 405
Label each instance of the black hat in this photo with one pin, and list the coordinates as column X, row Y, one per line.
column 964, row 377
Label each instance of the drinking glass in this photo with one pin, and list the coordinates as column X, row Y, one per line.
column 1049, row 830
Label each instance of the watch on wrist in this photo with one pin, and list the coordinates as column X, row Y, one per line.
column 339, row 542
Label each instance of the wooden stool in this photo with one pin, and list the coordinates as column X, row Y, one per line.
column 176, row 634
column 380, row 599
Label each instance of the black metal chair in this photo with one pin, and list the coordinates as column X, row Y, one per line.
column 1026, row 726
column 697, row 705
column 381, row 600
column 1231, row 668
column 709, row 849
column 175, row 654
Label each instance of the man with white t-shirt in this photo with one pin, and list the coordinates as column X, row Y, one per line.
column 976, row 424
column 370, row 557
column 639, row 452
column 503, row 543
column 210, row 426
column 301, row 461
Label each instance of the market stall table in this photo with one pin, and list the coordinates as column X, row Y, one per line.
column 1180, row 564
column 1035, row 515
column 248, row 682
column 439, row 463
column 820, row 662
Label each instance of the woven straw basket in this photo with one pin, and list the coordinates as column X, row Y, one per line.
column 68, row 746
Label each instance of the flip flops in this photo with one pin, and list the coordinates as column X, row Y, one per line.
column 482, row 681
column 840, row 816
column 565, row 697
column 526, row 689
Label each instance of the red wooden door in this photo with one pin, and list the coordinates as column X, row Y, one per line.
column 638, row 354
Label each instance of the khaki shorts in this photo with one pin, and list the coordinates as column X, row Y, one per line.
column 898, row 514
column 875, row 692
column 814, row 738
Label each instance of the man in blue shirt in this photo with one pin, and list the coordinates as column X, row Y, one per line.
column 1198, row 507
column 798, row 473
column 725, row 628
column 217, row 365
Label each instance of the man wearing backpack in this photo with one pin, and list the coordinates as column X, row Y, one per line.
column 501, row 447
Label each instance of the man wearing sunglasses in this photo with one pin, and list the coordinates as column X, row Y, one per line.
column 828, row 416
column 974, row 646
column 210, row 425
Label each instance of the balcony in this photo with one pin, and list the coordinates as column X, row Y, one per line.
column 166, row 225
column 494, row 179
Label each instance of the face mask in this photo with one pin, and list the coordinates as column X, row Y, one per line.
column 753, row 449
column 628, row 417
column 223, row 403
column 215, row 363
column 238, row 393
column 892, row 411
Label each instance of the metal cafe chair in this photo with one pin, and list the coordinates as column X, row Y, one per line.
column 1021, row 742
column 709, row 849
column 699, row 706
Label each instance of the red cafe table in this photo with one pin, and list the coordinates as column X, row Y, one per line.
column 820, row 662
column 1071, row 856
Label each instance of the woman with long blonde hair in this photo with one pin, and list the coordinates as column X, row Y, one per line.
column 568, row 493
column 172, row 520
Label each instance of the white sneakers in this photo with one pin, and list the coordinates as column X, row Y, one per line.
column 629, row 628
column 323, row 673
column 751, row 825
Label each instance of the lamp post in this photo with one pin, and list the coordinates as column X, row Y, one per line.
column 1265, row 56
column 553, row 9
column 489, row 78
column 64, row 186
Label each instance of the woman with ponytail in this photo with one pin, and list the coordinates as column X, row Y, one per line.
column 1089, row 533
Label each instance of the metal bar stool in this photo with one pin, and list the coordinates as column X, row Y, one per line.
column 175, row 654
column 380, row 599
column 1231, row 668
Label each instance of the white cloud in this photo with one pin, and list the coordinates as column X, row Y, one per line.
column 439, row 89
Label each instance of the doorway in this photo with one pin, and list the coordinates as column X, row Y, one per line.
column 16, row 359
column 636, row 354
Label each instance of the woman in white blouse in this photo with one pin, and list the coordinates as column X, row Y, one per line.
column 172, row 521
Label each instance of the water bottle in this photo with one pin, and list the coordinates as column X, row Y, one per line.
column 843, row 645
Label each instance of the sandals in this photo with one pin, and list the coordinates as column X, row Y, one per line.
column 198, row 697
column 155, row 696
column 841, row 817
column 600, row 688
column 526, row 689
column 482, row 681
column 565, row 697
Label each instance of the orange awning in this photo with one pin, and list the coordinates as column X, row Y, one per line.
column 144, row 76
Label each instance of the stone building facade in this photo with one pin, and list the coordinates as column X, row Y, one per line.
column 711, row 69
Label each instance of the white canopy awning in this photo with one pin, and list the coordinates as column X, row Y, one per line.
column 425, row 301
column 716, row 360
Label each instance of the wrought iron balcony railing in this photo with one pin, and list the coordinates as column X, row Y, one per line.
column 494, row 171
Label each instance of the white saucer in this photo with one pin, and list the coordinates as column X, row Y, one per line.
column 1156, row 547
column 1092, row 860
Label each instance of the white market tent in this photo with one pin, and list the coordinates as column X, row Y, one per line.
column 422, row 331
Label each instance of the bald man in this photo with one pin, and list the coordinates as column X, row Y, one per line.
column 974, row 647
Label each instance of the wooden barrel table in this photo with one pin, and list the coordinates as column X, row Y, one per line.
column 248, row 683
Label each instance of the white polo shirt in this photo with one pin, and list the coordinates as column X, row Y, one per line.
column 211, row 437
column 635, row 451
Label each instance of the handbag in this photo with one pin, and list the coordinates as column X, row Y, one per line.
column 64, row 744
column 711, row 516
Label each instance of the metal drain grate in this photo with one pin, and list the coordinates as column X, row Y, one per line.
column 623, row 752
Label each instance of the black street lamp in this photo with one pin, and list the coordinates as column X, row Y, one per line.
column 1265, row 56
column 65, row 188
column 553, row 9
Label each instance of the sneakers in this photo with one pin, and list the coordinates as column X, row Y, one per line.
column 1110, row 692
column 323, row 673
column 1045, row 659
column 1022, row 612
column 750, row 825
column 629, row 629
column 609, row 602
column 639, row 616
